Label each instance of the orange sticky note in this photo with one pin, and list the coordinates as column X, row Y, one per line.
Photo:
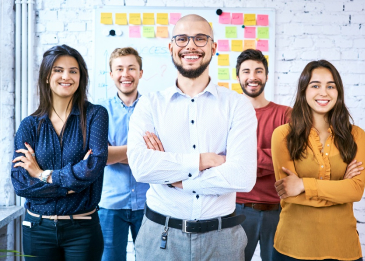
column 162, row 31
column 224, row 84
column 135, row 18
column 249, row 19
column 148, row 19
column 249, row 44
column 106, row 18
column 121, row 19
column 163, row 18
column 237, row 45
column 236, row 87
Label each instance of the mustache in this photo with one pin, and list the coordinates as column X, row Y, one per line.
column 192, row 52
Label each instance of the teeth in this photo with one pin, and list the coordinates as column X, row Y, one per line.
column 322, row 102
column 65, row 84
column 253, row 84
column 126, row 82
column 191, row 57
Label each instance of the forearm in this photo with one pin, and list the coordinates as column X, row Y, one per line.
column 117, row 154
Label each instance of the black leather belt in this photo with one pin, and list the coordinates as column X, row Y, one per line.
column 198, row 226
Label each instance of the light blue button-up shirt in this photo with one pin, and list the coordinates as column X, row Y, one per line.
column 120, row 189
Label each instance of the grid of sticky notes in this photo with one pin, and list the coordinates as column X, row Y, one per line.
column 255, row 35
column 147, row 25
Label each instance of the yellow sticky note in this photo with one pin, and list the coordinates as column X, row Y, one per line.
column 234, row 76
column 135, row 18
column 211, row 24
column 223, row 73
column 148, row 31
column 249, row 44
column 121, row 19
column 162, row 31
column 250, row 19
column 163, row 18
column 106, row 18
column 237, row 45
column 224, row 84
column 223, row 60
column 148, row 18
column 236, row 87
column 267, row 58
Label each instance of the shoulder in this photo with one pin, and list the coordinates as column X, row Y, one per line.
column 95, row 109
column 281, row 132
column 29, row 123
column 281, row 108
column 358, row 133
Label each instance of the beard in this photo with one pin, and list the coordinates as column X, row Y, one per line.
column 253, row 94
column 191, row 73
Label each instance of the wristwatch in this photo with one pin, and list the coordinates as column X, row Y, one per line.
column 45, row 174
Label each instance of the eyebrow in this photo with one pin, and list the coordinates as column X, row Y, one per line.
column 320, row 82
column 126, row 66
column 258, row 68
column 59, row 67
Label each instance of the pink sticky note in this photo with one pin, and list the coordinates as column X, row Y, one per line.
column 250, row 32
column 223, row 45
column 262, row 45
column 262, row 20
column 134, row 31
column 237, row 18
column 225, row 18
column 174, row 17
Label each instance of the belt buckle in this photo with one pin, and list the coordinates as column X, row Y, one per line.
column 184, row 226
column 253, row 205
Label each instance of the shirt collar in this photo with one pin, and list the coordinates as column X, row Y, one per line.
column 211, row 88
column 119, row 100
column 75, row 111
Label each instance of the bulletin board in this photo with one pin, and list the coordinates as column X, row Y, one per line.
column 149, row 30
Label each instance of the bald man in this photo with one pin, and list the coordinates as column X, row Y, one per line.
column 195, row 143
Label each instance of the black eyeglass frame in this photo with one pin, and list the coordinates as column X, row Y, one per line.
column 174, row 37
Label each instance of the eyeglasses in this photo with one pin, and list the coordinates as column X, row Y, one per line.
column 200, row 40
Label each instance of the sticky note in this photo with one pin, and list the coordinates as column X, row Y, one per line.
column 237, row 18
column 231, row 32
column 237, row 45
column 162, row 31
column 223, row 45
column 267, row 58
column 223, row 60
column 234, row 76
column 250, row 19
column 149, row 31
column 162, row 18
column 249, row 44
column 134, row 31
column 134, row 18
column 223, row 73
column 263, row 45
column 262, row 20
column 106, row 18
column 121, row 19
column 224, row 84
column 148, row 18
column 225, row 18
column 250, row 32
column 263, row 32
column 174, row 17
column 237, row 88
column 211, row 24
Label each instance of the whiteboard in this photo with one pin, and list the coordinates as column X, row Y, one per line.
column 158, row 70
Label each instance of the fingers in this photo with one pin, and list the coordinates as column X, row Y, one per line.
column 88, row 154
column 287, row 171
column 158, row 142
column 148, row 143
column 153, row 142
column 30, row 149
column 353, row 165
column 19, row 164
column 70, row 192
column 26, row 153
column 353, row 173
column 20, row 158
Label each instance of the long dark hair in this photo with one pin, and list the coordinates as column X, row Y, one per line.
column 45, row 94
column 301, row 120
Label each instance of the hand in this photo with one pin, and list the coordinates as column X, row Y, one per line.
column 210, row 160
column 28, row 162
column 289, row 186
column 153, row 142
column 353, row 169
column 88, row 153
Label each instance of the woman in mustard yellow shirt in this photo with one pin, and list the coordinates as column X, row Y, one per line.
column 317, row 160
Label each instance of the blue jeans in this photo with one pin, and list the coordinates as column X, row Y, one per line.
column 70, row 240
column 259, row 226
column 115, row 224
column 276, row 256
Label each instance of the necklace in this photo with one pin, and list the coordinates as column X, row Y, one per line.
column 59, row 116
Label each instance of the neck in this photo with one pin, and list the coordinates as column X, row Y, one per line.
column 320, row 123
column 259, row 101
column 60, row 106
column 128, row 99
column 192, row 87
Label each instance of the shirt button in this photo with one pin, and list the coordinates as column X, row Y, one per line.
column 197, row 196
column 132, row 190
column 326, row 153
column 194, row 146
column 192, row 100
column 322, row 166
column 189, row 175
column 321, row 178
column 192, row 121
column 194, row 191
column 328, row 145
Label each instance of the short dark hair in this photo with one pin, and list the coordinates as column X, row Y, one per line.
column 251, row 54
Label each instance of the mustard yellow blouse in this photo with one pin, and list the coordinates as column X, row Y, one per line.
column 320, row 222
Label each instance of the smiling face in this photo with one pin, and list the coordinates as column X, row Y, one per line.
column 321, row 93
column 65, row 77
column 125, row 72
column 252, row 78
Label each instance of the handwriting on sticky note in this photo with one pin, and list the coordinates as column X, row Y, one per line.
column 163, row 18
column 250, row 32
column 174, row 17
column 223, row 60
column 106, row 18
column 223, row 45
column 249, row 44
column 148, row 18
column 223, row 73
column 263, row 45
column 225, row 18
column 237, row 88
column 149, row 31
column 267, row 58
column 262, row 20
column 231, row 32
column 121, row 19
column 234, row 76
column 134, row 31
column 263, row 32
column 249, row 19
column 135, row 18
column 224, row 84
column 237, row 18
column 237, row 45
column 162, row 31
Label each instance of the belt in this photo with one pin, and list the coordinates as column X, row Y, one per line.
column 262, row 207
column 193, row 226
column 55, row 217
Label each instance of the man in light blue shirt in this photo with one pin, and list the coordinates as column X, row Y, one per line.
column 122, row 199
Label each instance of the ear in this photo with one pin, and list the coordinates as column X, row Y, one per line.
column 214, row 48
column 111, row 74
column 140, row 74
column 170, row 48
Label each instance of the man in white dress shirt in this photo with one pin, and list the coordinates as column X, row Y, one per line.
column 201, row 149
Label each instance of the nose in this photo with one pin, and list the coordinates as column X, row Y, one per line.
column 191, row 44
column 125, row 72
column 323, row 91
column 252, row 75
column 65, row 75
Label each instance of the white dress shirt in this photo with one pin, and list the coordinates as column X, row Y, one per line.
column 216, row 120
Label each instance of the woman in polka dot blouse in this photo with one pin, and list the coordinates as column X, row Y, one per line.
column 59, row 159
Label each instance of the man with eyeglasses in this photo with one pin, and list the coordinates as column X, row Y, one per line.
column 195, row 143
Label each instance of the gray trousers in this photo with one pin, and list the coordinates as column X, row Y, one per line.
column 225, row 245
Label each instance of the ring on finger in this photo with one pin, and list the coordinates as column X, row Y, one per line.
column 33, row 154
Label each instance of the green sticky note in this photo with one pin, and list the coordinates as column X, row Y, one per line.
column 231, row 32
column 233, row 73
column 223, row 73
column 263, row 32
column 149, row 31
